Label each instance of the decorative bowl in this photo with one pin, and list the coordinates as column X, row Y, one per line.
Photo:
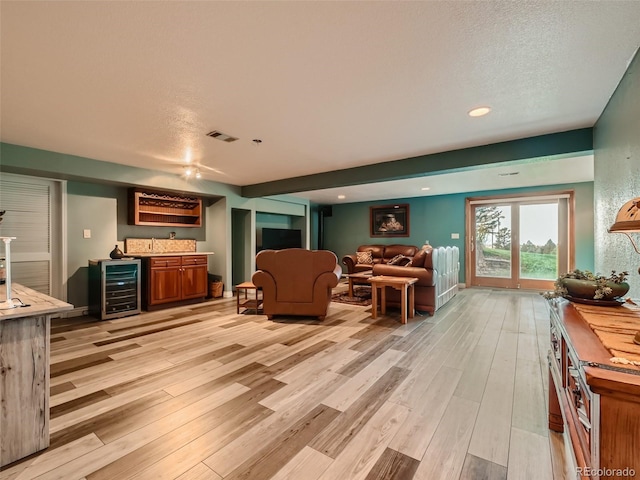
column 587, row 289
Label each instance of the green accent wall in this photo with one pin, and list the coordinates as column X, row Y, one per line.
column 435, row 218
column 617, row 175
column 102, row 209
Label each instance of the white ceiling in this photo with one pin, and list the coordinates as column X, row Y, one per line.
column 324, row 85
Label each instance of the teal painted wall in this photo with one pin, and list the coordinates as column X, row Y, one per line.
column 241, row 242
column 270, row 220
column 617, row 175
column 124, row 230
column 314, row 228
column 103, row 210
column 435, row 218
column 95, row 208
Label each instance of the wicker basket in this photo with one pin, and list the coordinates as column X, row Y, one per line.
column 215, row 289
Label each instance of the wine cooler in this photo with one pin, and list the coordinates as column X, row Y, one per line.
column 114, row 288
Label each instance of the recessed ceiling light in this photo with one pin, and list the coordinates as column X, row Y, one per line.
column 425, row 188
column 342, row 197
column 479, row 111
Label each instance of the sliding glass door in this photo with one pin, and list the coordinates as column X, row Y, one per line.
column 520, row 242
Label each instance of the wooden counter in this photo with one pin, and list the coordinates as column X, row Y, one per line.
column 165, row 254
column 24, row 372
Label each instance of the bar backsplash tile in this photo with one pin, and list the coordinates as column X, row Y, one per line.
column 159, row 245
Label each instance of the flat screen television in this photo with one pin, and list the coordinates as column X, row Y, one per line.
column 279, row 238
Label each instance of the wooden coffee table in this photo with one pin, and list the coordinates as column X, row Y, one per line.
column 361, row 276
column 404, row 284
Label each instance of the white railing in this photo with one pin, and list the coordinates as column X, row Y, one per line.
column 446, row 265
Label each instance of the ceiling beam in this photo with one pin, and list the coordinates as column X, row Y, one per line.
column 555, row 144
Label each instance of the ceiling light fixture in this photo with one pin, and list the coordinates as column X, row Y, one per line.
column 256, row 142
column 424, row 189
column 192, row 172
column 341, row 197
column 479, row 111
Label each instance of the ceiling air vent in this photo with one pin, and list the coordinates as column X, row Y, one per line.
column 222, row 136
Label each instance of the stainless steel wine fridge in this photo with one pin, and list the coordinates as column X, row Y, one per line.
column 114, row 288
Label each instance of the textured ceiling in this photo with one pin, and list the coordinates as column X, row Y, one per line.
column 324, row 85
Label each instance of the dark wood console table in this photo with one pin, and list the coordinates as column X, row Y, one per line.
column 594, row 400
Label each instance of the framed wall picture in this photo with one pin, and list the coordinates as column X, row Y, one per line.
column 389, row 220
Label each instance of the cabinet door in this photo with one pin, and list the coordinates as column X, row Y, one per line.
column 164, row 285
column 194, row 281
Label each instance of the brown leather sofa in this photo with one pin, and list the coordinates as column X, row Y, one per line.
column 296, row 281
column 380, row 254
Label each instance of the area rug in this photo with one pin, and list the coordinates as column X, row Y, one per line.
column 361, row 296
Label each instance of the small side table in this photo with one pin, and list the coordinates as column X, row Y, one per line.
column 249, row 302
column 404, row 284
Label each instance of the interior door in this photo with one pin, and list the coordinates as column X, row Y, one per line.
column 519, row 242
column 34, row 215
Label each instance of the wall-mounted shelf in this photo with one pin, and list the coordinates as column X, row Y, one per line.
column 164, row 209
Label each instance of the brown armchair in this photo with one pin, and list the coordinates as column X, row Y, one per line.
column 296, row 281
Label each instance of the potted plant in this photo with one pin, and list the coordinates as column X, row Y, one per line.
column 586, row 285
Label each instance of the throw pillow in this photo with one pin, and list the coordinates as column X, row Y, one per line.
column 365, row 257
column 404, row 261
column 395, row 260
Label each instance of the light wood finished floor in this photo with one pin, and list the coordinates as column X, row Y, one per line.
column 203, row 393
